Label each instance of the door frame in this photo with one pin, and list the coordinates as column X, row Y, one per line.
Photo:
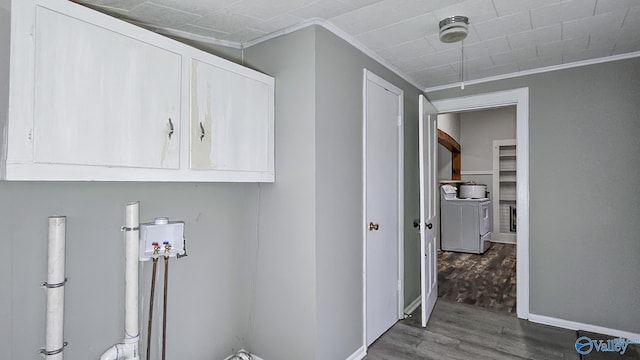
column 370, row 76
column 520, row 98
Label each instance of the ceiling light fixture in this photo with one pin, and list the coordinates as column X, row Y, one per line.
column 454, row 29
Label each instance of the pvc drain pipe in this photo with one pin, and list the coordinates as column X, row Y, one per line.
column 128, row 349
column 54, row 327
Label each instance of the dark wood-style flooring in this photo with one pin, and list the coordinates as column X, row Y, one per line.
column 466, row 332
column 487, row 280
column 474, row 319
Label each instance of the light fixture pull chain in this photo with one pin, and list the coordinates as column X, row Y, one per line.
column 462, row 65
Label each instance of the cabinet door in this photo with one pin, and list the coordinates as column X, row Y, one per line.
column 230, row 120
column 103, row 98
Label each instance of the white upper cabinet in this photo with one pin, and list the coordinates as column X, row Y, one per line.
column 95, row 98
column 231, row 128
column 102, row 98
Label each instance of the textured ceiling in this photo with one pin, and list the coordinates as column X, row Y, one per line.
column 505, row 36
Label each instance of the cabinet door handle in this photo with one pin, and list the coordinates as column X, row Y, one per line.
column 170, row 128
column 201, row 132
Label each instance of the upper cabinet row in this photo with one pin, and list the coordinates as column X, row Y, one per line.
column 95, row 98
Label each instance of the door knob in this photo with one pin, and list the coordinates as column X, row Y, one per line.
column 373, row 226
column 429, row 226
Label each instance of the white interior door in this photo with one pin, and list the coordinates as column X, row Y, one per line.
column 428, row 212
column 382, row 114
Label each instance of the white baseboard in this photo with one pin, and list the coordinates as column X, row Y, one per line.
column 359, row 354
column 414, row 305
column 507, row 238
column 498, row 241
column 573, row 325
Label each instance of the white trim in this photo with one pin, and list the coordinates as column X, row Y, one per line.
column 364, row 209
column 401, row 205
column 574, row 325
column 537, row 71
column 285, row 31
column 477, row 172
column 520, row 98
column 328, row 25
column 370, row 76
column 413, row 306
column 187, row 35
column 504, row 238
column 358, row 45
column 501, row 240
column 357, row 355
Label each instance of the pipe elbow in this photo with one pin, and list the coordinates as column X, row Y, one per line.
column 110, row 354
column 121, row 352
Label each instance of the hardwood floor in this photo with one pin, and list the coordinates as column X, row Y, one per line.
column 462, row 332
column 487, row 280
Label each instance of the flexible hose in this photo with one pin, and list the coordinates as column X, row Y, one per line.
column 164, row 310
column 153, row 292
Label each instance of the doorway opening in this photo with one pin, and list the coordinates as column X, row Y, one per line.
column 477, row 237
column 520, row 99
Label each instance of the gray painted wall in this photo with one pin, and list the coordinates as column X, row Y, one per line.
column 584, row 194
column 283, row 322
column 339, row 71
column 209, row 290
column 478, row 130
column 444, row 163
column 309, row 277
column 450, row 124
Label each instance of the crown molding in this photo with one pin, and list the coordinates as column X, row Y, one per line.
column 358, row 45
column 329, row 26
column 304, row 24
column 188, row 36
column 537, row 71
column 285, row 31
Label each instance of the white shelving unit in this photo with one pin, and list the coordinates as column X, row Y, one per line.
column 504, row 190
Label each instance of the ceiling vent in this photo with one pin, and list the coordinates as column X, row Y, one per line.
column 454, row 29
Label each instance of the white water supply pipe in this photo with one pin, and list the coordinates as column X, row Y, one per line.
column 54, row 326
column 128, row 349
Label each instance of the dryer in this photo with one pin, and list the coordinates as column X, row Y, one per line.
column 465, row 223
